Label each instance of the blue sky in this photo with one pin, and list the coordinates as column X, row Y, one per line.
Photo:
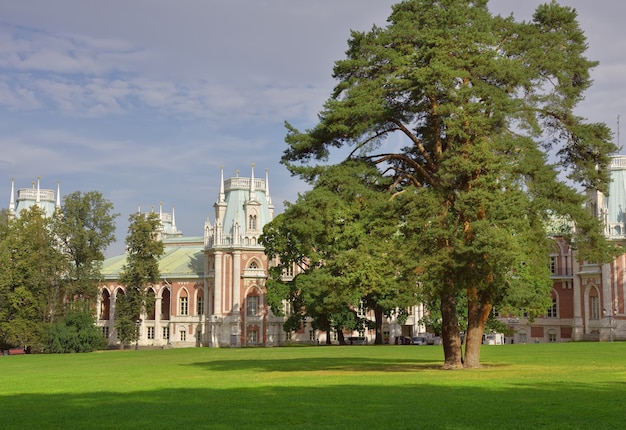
column 144, row 100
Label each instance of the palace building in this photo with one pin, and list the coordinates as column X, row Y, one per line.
column 212, row 287
column 588, row 299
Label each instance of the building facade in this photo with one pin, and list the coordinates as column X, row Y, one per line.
column 587, row 298
column 212, row 288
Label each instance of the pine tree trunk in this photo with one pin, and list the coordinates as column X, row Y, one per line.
column 378, row 320
column 450, row 333
column 477, row 314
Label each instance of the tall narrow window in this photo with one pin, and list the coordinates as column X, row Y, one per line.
column 288, row 308
column 553, row 265
column 184, row 306
column 362, row 309
column 253, row 306
column 200, row 309
column 166, row 333
column 552, row 310
column 595, row 308
column 252, row 222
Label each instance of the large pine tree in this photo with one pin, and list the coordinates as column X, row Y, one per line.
column 484, row 106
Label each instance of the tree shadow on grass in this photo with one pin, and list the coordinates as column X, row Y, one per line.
column 554, row 406
column 346, row 364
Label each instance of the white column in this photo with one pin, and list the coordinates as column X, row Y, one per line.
column 236, row 281
column 218, row 306
column 607, row 299
column 577, row 329
column 112, row 315
column 158, row 331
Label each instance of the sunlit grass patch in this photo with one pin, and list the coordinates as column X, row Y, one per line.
column 520, row 386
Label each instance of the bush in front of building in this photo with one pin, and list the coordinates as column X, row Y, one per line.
column 75, row 332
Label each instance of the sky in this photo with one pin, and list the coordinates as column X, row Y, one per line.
column 145, row 100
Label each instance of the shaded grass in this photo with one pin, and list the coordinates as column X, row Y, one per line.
column 557, row 386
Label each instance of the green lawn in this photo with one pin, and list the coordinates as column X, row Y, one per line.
column 555, row 386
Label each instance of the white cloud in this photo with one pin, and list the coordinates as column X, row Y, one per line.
column 145, row 99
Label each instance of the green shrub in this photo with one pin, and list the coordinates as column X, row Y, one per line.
column 75, row 332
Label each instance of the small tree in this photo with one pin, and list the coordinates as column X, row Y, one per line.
column 143, row 251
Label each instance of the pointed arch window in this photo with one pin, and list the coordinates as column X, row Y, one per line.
column 252, row 222
column 594, row 299
column 105, row 305
column 150, row 305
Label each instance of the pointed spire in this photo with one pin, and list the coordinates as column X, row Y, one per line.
column 173, row 220
column 161, row 212
column 58, row 194
column 221, row 196
column 38, row 198
column 12, row 200
column 138, row 208
column 267, row 187
column 252, row 191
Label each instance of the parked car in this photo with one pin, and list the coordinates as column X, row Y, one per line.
column 356, row 340
column 403, row 340
column 419, row 340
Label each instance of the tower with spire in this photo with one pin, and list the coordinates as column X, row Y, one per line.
column 236, row 264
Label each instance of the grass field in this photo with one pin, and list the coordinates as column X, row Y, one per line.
column 555, row 386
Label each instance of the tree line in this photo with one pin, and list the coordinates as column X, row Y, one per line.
column 51, row 268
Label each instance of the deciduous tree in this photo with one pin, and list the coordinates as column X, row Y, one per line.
column 346, row 238
column 143, row 249
column 31, row 267
column 85, row 228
